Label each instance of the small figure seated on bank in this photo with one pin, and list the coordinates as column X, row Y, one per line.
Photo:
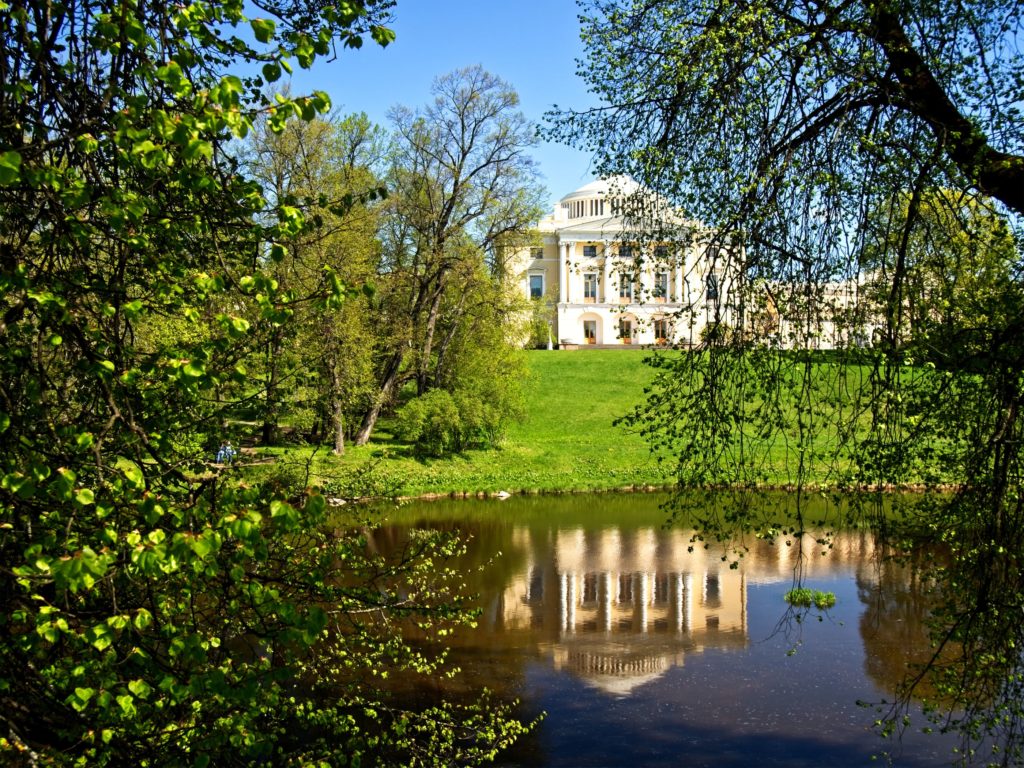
column 225, row 454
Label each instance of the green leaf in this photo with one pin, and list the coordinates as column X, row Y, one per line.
column 383, row 36
column 87, row 144
column 272, row 72
column 84, row 693
column 134, row 476
column 263, row 29
column 143, row 618
column 102, row 637
column 198, row 149
column 10, row 168
column 127, row 704
column 194, row 369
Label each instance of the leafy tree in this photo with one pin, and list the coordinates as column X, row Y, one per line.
column 821, row 140
column 958, row 284
column 156, row 610
column 479, row 373
column 317, row 365
column 461, row 184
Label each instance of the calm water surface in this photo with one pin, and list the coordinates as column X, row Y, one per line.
column 643, row 653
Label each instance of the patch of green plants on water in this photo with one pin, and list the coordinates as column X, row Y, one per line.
column 802, row 597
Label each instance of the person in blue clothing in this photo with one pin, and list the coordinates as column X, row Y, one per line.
column 225, row 454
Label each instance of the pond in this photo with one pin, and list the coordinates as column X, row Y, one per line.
column 642, row 652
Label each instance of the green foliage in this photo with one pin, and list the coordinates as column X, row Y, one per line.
column 315, row 371
column 440, row 423
column 157, row 610
column 464, row 189
column 802, row 597
column 862, row 167
column 431, row 422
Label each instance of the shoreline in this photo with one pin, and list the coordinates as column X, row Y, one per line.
column 909, row 488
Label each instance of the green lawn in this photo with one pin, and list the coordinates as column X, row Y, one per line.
column 566, row 442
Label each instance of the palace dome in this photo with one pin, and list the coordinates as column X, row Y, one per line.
column 613, row 186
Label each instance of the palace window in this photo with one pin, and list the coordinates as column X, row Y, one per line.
column 536, row 253
column 661, row 287
column 712, row 288
column 625, row 251
column 661, row 331
column 536, row 286
column 590, row 251
column 626, row 288
column 590, row 287
column 626, row 330
column 590, row 331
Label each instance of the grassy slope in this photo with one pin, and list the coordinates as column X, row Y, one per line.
column 566, row 442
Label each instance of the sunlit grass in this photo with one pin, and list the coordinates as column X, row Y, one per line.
column 569, row 441
column 566, row 442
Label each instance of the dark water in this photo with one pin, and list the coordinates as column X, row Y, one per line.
column 644, row 653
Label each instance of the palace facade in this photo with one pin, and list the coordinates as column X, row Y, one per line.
column 603, row 287
column 600, row 284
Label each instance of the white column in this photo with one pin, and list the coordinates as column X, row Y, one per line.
column 563, row 605
column 607, row 293
column 643, row 598
column 688, row 602
column 606, row 600
column 563, row 273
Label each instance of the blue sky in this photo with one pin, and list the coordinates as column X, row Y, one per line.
column 531, row 44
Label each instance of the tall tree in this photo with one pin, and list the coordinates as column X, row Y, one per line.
column 461, row 182
column 799, row 131
column 326, row 169
column 155, row 610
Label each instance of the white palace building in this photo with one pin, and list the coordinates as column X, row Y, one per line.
column 607, row 290
column 604, row 286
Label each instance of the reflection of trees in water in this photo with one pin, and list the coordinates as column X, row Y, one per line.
column 979, row 622
column 894, row 626
column 490, row 560
column 947, row 630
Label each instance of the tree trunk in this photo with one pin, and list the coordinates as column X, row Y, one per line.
column 423, row 372
column 270, row 410
column 447, row 340
column 387, row 387
column 337, row 413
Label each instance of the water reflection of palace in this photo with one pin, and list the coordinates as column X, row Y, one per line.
column 618, row 608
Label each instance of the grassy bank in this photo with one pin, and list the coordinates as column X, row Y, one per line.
column 567, row 440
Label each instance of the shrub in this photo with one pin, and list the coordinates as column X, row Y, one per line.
column 431, row 423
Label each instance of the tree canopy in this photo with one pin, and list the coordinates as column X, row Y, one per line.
column 463, row 186
column 874, row 148
column 158, row 609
